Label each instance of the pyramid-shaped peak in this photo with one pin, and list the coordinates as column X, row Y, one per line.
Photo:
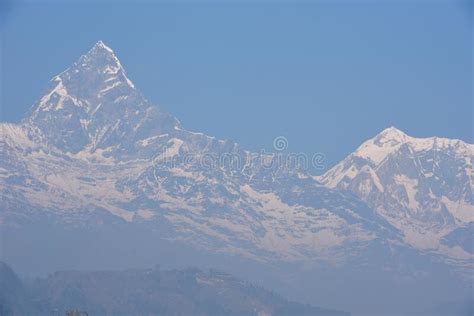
column 99, row 65
column 100, row 51
column 97, row 77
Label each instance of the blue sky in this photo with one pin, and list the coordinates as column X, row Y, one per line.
column 326, row 75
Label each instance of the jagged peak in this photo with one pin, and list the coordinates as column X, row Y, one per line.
column 99, row 66
column 100, row 54
column 91, row 102
column 100, row 48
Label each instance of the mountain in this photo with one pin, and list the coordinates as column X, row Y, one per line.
column 147, row 292
column 93, row 105
column 93, row 144
column 421, row 186
column 97, row 176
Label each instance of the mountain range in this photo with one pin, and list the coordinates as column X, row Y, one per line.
column 96, row 161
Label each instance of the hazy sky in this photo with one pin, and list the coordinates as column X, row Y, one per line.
column 325, row 75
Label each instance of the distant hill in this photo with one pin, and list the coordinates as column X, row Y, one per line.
column 12, row 295
column 143, row 292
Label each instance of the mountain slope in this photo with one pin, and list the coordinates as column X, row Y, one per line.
column 422, row 186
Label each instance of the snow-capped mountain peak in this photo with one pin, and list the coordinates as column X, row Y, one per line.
column 376, row 149
column 391, row 134
column 92, row 103
column 423, row 186
column 391, row 140
column 102, row 59
column 93, row 76
column 100, row 53
column 101, row 45
column 101, row 49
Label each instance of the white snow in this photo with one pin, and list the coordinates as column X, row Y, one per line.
column 174, row 145
column 150, row 140
column 111, row 70
column 101, row 44
column 334, row 176
column 410, row 186
column 410, row 214
column 289, row 227
column 84, row 123
column 374, row 153
column 376, row 180
column 391, row 139
column 461, row 210
column 15, row 135
column 146, row 214
column 121, row 98
column 129, row 82
column 108, row 88
column 61, row 91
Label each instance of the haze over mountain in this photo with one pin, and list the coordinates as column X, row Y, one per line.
column 95, row 164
